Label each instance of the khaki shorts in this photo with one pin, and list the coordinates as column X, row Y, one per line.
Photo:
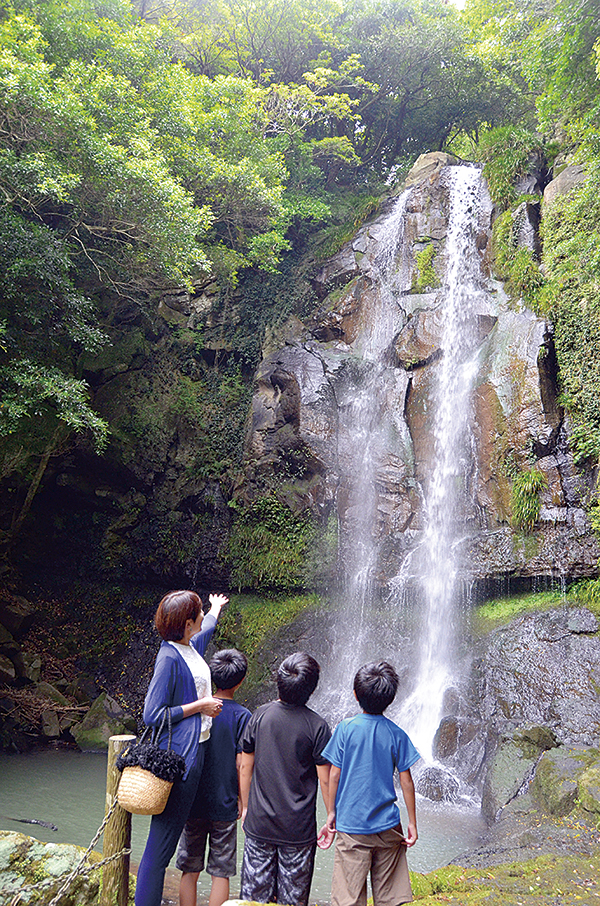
column 383, row 856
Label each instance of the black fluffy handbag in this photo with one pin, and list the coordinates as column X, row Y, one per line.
column 148, row 772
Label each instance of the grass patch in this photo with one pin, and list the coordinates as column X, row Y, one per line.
column 500, row 611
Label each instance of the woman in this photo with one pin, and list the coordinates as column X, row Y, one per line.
column 181, row 683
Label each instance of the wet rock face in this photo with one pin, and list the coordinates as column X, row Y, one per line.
column 532, row 687
column 545, row 668
column 299, row 411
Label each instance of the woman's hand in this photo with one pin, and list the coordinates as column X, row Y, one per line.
column 209, row 706
column 217, row 602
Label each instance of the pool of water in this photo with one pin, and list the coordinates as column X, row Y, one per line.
column 67, row 789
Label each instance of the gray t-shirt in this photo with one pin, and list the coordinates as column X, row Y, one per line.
column 287, row 741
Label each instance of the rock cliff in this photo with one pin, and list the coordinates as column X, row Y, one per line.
column 518, row 426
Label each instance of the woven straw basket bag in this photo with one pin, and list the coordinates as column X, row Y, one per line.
column 142, row 793
column 148, row 772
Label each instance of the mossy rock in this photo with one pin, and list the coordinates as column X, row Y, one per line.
column 105, row 718
column 555, row 785
column 589, row 789
column 47, row 690
column 512, row 763
column 35, row 872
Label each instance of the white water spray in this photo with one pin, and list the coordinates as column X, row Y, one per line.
column 370, row 425
column 417, row 624
column 446, row 491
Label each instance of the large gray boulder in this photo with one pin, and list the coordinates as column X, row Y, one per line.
column 34, row 872
column 105, row 718
column 512, row 767
column 567, row 180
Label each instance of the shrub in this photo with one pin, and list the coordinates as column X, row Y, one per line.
column 506, row 152
column 525, row 498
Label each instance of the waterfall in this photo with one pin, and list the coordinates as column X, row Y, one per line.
column 446, row 493
column 368, row 418
column 413, row 623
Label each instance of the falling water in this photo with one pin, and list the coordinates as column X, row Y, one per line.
column 446, row 497
column 368, row 416
column 372, row 430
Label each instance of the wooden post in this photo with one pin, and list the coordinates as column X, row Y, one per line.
column 117, row 833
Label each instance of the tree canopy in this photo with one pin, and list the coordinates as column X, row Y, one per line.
column 158, row 144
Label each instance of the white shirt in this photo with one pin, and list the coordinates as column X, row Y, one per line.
column 201, row 673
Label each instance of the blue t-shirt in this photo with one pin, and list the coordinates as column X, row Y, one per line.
column 368, row 749
column 217, row 796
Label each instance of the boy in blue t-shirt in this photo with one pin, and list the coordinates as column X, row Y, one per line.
column 365, row 751
column 216, row 807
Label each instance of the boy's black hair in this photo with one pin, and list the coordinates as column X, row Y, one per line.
column 228, row 668
column 297, row 678
column 375, row 686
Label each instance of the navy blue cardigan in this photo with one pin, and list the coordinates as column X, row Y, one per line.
column 172, row 685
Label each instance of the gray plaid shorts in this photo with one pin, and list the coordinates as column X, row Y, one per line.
column 222, row 839
column 277, row 872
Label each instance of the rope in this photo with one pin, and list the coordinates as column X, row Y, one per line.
column 80, row 869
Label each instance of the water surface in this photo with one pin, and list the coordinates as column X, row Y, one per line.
column 67, row 788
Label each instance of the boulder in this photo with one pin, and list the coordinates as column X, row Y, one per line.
column 16, row 615
column 47, row 690
column 589, row 789
column 33, row 872
column 50, row 724
column 32, row 665
column 555, row 784
column 437, row 784
column 428, row 166
column 539, row 670
column 105, row 718
column 512, row 767
column 8, row 673
column 567, row 180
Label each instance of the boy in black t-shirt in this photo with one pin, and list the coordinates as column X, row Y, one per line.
column 217, row 806
column 280, row 770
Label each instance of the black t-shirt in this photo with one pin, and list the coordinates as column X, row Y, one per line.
column 287, row 741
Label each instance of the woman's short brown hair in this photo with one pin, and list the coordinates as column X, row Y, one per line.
column 175, row 609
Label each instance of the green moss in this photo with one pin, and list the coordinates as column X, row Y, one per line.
column 250, row 620
column 571, row 236
column 449, row 879
column 500, row 611
column 426, row 277
column 514, row 264
column 536, row 882
column 269, row 544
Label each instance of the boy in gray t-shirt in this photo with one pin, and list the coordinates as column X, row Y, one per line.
column 281, row 767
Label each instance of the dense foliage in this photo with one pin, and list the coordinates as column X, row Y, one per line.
column 159, row 146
